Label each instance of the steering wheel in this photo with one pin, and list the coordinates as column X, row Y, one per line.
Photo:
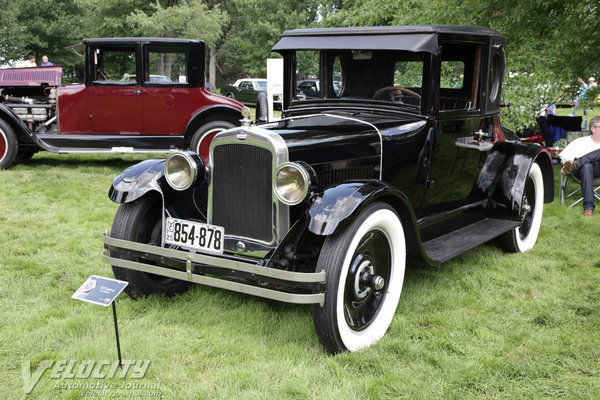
column 395, row 92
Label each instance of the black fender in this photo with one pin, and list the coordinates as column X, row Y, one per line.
column 148, row 177
column 21, row 130
column 339, row 205
column 138, row 180
column 501, row 181
column 339, row 202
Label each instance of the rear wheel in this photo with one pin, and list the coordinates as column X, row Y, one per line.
column 204, row 135
column 141, row 221
column 8, row 145
column 523, row 237
column 364, row 266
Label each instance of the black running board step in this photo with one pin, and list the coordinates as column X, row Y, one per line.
column 67, row 143
column 452, row 244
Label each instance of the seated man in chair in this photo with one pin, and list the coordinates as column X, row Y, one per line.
column 582, row 158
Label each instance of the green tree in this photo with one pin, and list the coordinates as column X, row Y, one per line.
column 185, row 18
column 256, row 25
column 107, row 18
column 41, row 27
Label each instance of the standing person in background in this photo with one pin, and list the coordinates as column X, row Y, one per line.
column 30, row 62
column 580, row 96
column 45, row 62
column 591, row 84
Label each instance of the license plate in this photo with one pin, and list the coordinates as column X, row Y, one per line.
column 195, row 235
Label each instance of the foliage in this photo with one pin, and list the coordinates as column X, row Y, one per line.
column 188, row 18
column 251, row 34
column 41, row 27
column 591, row 97
column 108, row 18
column 486, row 325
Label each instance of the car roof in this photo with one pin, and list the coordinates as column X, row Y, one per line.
column 410, row 38
column 135, row 40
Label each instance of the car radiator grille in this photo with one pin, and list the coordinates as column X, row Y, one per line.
column 242, row 192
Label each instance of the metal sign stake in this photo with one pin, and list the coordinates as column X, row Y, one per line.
column 117, row 335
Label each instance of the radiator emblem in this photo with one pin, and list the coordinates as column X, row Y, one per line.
column 242, row 135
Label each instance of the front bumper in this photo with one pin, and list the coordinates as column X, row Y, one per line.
column 225, row 273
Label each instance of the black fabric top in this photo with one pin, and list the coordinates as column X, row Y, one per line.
column 409, row 38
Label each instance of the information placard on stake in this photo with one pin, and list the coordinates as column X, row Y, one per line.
column 102, row 291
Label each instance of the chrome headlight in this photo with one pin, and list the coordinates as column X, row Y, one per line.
column 292, row 182
column 182, row 169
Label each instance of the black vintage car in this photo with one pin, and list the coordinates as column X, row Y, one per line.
column 406, row 161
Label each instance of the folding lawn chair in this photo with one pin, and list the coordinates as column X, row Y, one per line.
column 574, row 196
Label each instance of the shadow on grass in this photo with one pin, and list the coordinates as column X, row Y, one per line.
column 117, row 162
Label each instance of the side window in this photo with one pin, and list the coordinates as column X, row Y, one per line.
column 114, row 65
column 246, row 85
column 307, row 77
column 460, row 77
column 166, row 67
column 452, row 75
column 495, row 77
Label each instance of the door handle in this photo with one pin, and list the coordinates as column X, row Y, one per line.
column 137, row 92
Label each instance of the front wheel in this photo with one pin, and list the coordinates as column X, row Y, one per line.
column 141, row 221
column 364, row 266
column 523, row 237
column 8, row 145
column 204, row 135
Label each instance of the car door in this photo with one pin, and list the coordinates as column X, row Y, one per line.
column 168, row 99
column 462, row 137
column 115, row 98
column 247, row 93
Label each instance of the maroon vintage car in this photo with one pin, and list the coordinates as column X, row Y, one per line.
column 140, row 95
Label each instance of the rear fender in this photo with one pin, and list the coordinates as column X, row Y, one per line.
column 502, row 179
column 212, row 113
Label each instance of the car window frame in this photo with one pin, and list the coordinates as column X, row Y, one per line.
column 113, row 48
column 164, row 49
column 476, row 68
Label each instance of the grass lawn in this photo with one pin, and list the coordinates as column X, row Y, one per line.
column 487, row 325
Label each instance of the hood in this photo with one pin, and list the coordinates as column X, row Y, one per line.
column 326, row 138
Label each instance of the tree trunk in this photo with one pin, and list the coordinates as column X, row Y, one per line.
column 212, row 68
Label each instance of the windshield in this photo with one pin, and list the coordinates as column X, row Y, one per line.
column 394, row 77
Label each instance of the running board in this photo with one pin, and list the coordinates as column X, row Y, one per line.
column 457, row 242
column 66, row 143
